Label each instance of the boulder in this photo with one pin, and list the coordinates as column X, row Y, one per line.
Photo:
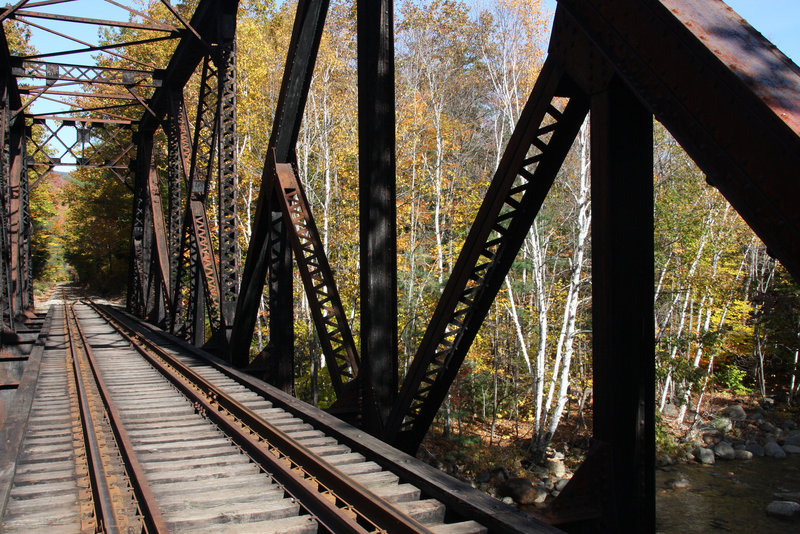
column 556, row 467
column 766, row 426
column 755, row 448
column 789, row 425
column 561, row 484
column 743, row 455
column 712, row 437
column 724, row 451
column 522, row 491
column 492, row 475
column 664, row 460
column 680, row 483
column 792, row 438
column 791, row 449
column 774, row 450
column 734, row 412
column 508, row 500
column 721, row 423
column 786, row 509
column 670, row 410
column 703, row 455
column 540, row 472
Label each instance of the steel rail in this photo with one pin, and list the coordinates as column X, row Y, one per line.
column 295, row 466
column 103, row 503
column 151, row 516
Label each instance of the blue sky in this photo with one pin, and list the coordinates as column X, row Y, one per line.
column 777, row 20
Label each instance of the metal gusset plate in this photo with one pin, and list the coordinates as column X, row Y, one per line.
column 526, row 172
column 334, row 332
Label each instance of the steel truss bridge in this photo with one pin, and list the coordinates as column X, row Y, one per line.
column 729, row 97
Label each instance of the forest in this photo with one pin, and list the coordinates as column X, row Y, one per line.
column 727, row 315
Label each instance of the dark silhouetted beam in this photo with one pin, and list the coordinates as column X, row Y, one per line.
column 730, row 98
column 623, row 350
column 377, row 211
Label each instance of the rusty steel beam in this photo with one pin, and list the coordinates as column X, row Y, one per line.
column 188, row 55
column 6, row 291
column 201, row 173
column 88, row 122
column 93, row 48
column 139, row 265
column 152, row 26
column 89, row 74
column 532, row 158
column 177, row 169
column 74, row 39
column 26, row 230
column 324, row 302
column 159, row 231
column 107, row 96
column 82, row 110
column 12, row 9
column 269, row 241
column 91, row 146
column 723, row 91
column 10, row 101
column 16, row 166
column 203, row 282
column 227, row 177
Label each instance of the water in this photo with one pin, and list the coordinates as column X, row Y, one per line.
column 726, row 497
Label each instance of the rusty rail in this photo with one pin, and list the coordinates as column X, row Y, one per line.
column 339, row 503
column 150, row 514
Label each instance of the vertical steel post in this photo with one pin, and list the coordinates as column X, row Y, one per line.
column 26, row 228
column 7, row 309
column 149, row 280
column 622, row 301
column 227, row 178
column 138, row 272
column 177, row 169
column 378, row 211
column 281, row 294
column 16, row 142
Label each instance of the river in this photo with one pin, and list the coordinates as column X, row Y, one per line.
column 726, row 497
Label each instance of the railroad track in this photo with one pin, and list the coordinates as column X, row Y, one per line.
column 168, row 442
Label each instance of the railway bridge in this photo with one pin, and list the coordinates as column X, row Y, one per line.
column 168, row 387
